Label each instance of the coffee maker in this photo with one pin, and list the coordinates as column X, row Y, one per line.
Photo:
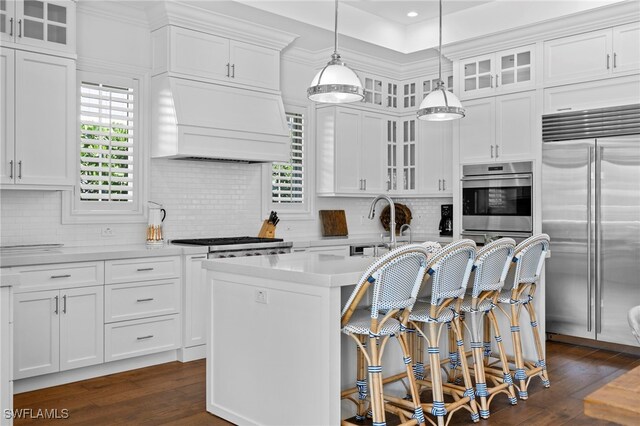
column 446, row 220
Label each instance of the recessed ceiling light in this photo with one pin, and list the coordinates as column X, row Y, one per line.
column 412, row 14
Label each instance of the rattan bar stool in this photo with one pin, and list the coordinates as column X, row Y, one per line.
column 449, row 270
column 490, row 271
column 396, row 280
column 529, row 259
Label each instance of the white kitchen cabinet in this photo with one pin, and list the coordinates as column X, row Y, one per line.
column 436, row 147
column 592, row 55
column 128, row 339
column 141, row 300
column 188, row 53
column 195, row 301
column 380, row 92
column 57, row 330
column 498, row 128
column 39, row 111
column 499, row 72
column 350, row 151
column 39, row 24
column 401, row 155
column 6, row 360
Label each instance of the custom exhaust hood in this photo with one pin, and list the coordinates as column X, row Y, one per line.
column 193, row 119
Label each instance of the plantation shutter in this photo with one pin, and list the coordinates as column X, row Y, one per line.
column 288, row 178
column 107, row 137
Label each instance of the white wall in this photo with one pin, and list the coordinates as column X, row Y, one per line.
column 202, row 198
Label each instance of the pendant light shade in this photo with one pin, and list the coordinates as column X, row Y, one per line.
column 336, row 82
column 440, row 104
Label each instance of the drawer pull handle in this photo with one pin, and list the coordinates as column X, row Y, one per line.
column 145, row 337
column 144, row 269
column 199, row 257
column 61, row 276
column 145, row 300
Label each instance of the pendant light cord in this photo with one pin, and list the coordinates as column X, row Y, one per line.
column 335, row 31
column 440, row 82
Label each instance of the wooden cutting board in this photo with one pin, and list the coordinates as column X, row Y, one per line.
column 334, row 223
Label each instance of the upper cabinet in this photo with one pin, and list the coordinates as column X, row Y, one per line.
column 38, row 116
column 436, row 150
column 592, row 55
column 500, row 72
column 380, row 92
column 498, row 128
column 49, row 25
column 350, row 147
column 188, row 53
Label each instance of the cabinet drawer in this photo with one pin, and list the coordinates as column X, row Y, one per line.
column 153, row 268
column 141, row 300
column 141, row 337
column 59, row 276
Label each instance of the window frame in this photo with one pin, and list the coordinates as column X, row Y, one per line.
column 73, row 209
column 303, row 210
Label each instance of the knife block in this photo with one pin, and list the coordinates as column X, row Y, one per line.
column 268, row 230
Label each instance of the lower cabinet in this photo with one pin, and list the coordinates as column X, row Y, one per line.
column 195, row 302
column 141, row 337
column 57, row 330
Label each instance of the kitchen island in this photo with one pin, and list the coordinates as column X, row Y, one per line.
column 274, row 353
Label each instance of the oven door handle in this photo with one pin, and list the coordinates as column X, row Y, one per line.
column 501, row 177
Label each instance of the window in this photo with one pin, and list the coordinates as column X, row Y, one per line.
column 287, row 179
column 109, row 152
column 107, row 138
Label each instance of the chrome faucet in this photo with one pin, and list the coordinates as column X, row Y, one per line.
column 407, row 226
column 392, row 224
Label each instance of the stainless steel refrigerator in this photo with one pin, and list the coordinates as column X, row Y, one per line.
column 591, row 211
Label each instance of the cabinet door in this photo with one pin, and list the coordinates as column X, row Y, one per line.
column 391, row 155
column 476, row 76
column 626, row 47
column 371, row 152
column 45, row 119
column 199, row 54
column 347, row 137
column 81, row 327
column 515, row 68
column 514, row 125
column 36, row 333
column 477, row 131
column 7, row 102
column 569, row 59
column 7, row 21
column 195, row 310
column 436, row 143
column 48, row 24
column 407, row 155
column 254, row 65
column 446, row 169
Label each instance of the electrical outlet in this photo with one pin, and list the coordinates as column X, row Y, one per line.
column 261, row 296
column 108, row 232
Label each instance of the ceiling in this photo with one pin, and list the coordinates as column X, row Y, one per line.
column 385, row 23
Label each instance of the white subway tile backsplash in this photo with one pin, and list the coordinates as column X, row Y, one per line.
column 201, row 199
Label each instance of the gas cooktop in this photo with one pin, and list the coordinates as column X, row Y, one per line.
column 223, row 241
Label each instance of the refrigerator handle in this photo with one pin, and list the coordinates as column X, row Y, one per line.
column 589, row 161
column 598, row 256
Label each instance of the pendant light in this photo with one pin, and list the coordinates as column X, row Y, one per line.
column 440, row 104
column 336, row 82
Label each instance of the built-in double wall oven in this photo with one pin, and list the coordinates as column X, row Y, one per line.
column 497, row 201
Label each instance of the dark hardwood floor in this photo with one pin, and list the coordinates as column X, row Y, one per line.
column 174, row 393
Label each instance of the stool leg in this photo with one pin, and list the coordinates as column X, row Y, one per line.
column 536, row 338
column 487, row 342
column 453, row 355
column 406, row 353
column 361, row 380
column 520, row 375
column 375, row 381
column 438, row 409
column 506, row 373
column 465, row 369
column 478, row 361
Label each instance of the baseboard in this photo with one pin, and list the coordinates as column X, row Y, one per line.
column 193, row 353
column 634, row 350
column 64, row 377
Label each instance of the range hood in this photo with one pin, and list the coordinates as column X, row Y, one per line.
column 193, row 119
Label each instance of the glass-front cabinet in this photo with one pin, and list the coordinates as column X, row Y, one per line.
column 408, row 154
column 44, row 24
column 392, row 155
column 401, row 155
column 498, row 72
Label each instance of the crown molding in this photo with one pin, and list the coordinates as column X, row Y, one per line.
column 97, row 65
column 590, row 20
column 114, row 11
column 189, row 16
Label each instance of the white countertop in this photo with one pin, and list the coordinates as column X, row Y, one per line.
column 85, row 254
column 362, row 239
column 324, row 270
